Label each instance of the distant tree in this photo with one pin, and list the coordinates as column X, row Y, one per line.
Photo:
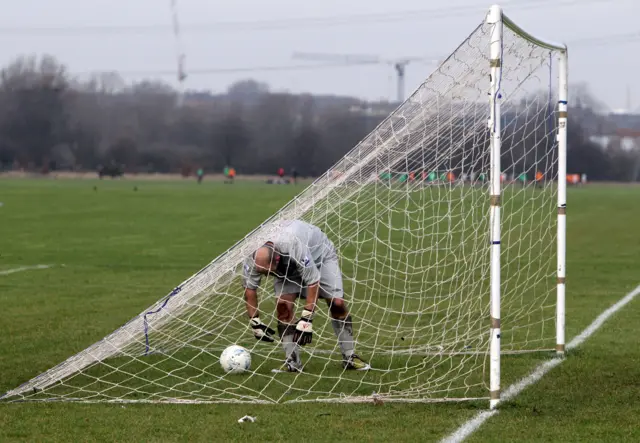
column 306, row 147
column 84, row 146
column 151, row 111
column 107, row 82
column 191, row 127
column 47, row 117
column 583, row 98
column 585, row 156
column 124, row 151
column 33, row 114
column 341, row 130
column 247, row 92
column 273, row 119
column 231, row 137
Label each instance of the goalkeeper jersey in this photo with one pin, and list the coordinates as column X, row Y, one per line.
column 302, row 248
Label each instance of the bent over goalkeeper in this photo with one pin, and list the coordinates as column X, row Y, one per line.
column 304, row 264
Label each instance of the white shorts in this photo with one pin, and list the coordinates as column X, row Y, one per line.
column 330, row 282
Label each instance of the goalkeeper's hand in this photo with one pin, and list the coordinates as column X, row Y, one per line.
column 261, row 331
column 304, row 329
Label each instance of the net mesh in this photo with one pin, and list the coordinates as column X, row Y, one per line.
column 408, row 212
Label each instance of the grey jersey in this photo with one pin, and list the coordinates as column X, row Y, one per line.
column 302, row 247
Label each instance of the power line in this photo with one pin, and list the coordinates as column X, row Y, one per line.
column 579, row 44
column 180, row 54
column 238, row 70
column 302, row 22
column 605, row 40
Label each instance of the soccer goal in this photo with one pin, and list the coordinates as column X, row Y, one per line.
column 449, row 221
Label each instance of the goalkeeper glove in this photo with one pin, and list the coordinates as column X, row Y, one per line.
column 304, row 329
column 261, row 331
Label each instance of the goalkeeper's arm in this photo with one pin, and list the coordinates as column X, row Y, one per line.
column 312, row 297
column 251, row 300
column 260, row 330
column 303, row 334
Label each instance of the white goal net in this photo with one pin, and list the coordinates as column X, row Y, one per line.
column 408, row 212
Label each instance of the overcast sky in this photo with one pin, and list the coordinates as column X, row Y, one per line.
column 135, row 35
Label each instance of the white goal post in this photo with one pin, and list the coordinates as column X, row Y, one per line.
column 449, row 223
column 497, row 20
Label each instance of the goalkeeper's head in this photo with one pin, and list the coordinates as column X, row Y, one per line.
column 266, row 259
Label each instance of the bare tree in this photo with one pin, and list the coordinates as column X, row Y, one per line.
column 47, row 116
column 231, row 136
column 34, row 114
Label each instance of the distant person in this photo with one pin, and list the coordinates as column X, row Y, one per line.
column 294, row 176
column 225, row 173
column 229, row 175
column 200, row 174
column 451, row 176
column 281, row 175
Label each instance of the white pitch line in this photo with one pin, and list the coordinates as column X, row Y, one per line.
column 23, row 268
column 512, row 391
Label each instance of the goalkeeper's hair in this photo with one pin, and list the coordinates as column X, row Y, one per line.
column 271, row 252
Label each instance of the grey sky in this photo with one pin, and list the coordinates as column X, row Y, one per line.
column 608, row 69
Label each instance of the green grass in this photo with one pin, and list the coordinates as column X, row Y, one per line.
column 116, row 251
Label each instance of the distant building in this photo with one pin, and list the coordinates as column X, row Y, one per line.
column 621, row 131
column 623, row 119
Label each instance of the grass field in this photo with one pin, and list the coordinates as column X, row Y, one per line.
column 115, row 251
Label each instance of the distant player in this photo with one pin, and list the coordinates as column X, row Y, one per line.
column 229, row 174
column 304, row 264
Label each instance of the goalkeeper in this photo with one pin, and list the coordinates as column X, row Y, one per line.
column 304, row 264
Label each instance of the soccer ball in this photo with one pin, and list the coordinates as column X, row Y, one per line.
column 235, row 359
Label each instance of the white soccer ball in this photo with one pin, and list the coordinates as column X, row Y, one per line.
column 235, row 360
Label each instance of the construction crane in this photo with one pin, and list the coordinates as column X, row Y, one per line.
column 399, row 64
column 180, row 55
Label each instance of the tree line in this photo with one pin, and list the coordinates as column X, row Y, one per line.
column 50, row 120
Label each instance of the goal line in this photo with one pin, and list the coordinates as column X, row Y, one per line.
column 540, row 371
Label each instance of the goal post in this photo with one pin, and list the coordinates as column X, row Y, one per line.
column 496, row 19
column 449, row 227
column 563, row 97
